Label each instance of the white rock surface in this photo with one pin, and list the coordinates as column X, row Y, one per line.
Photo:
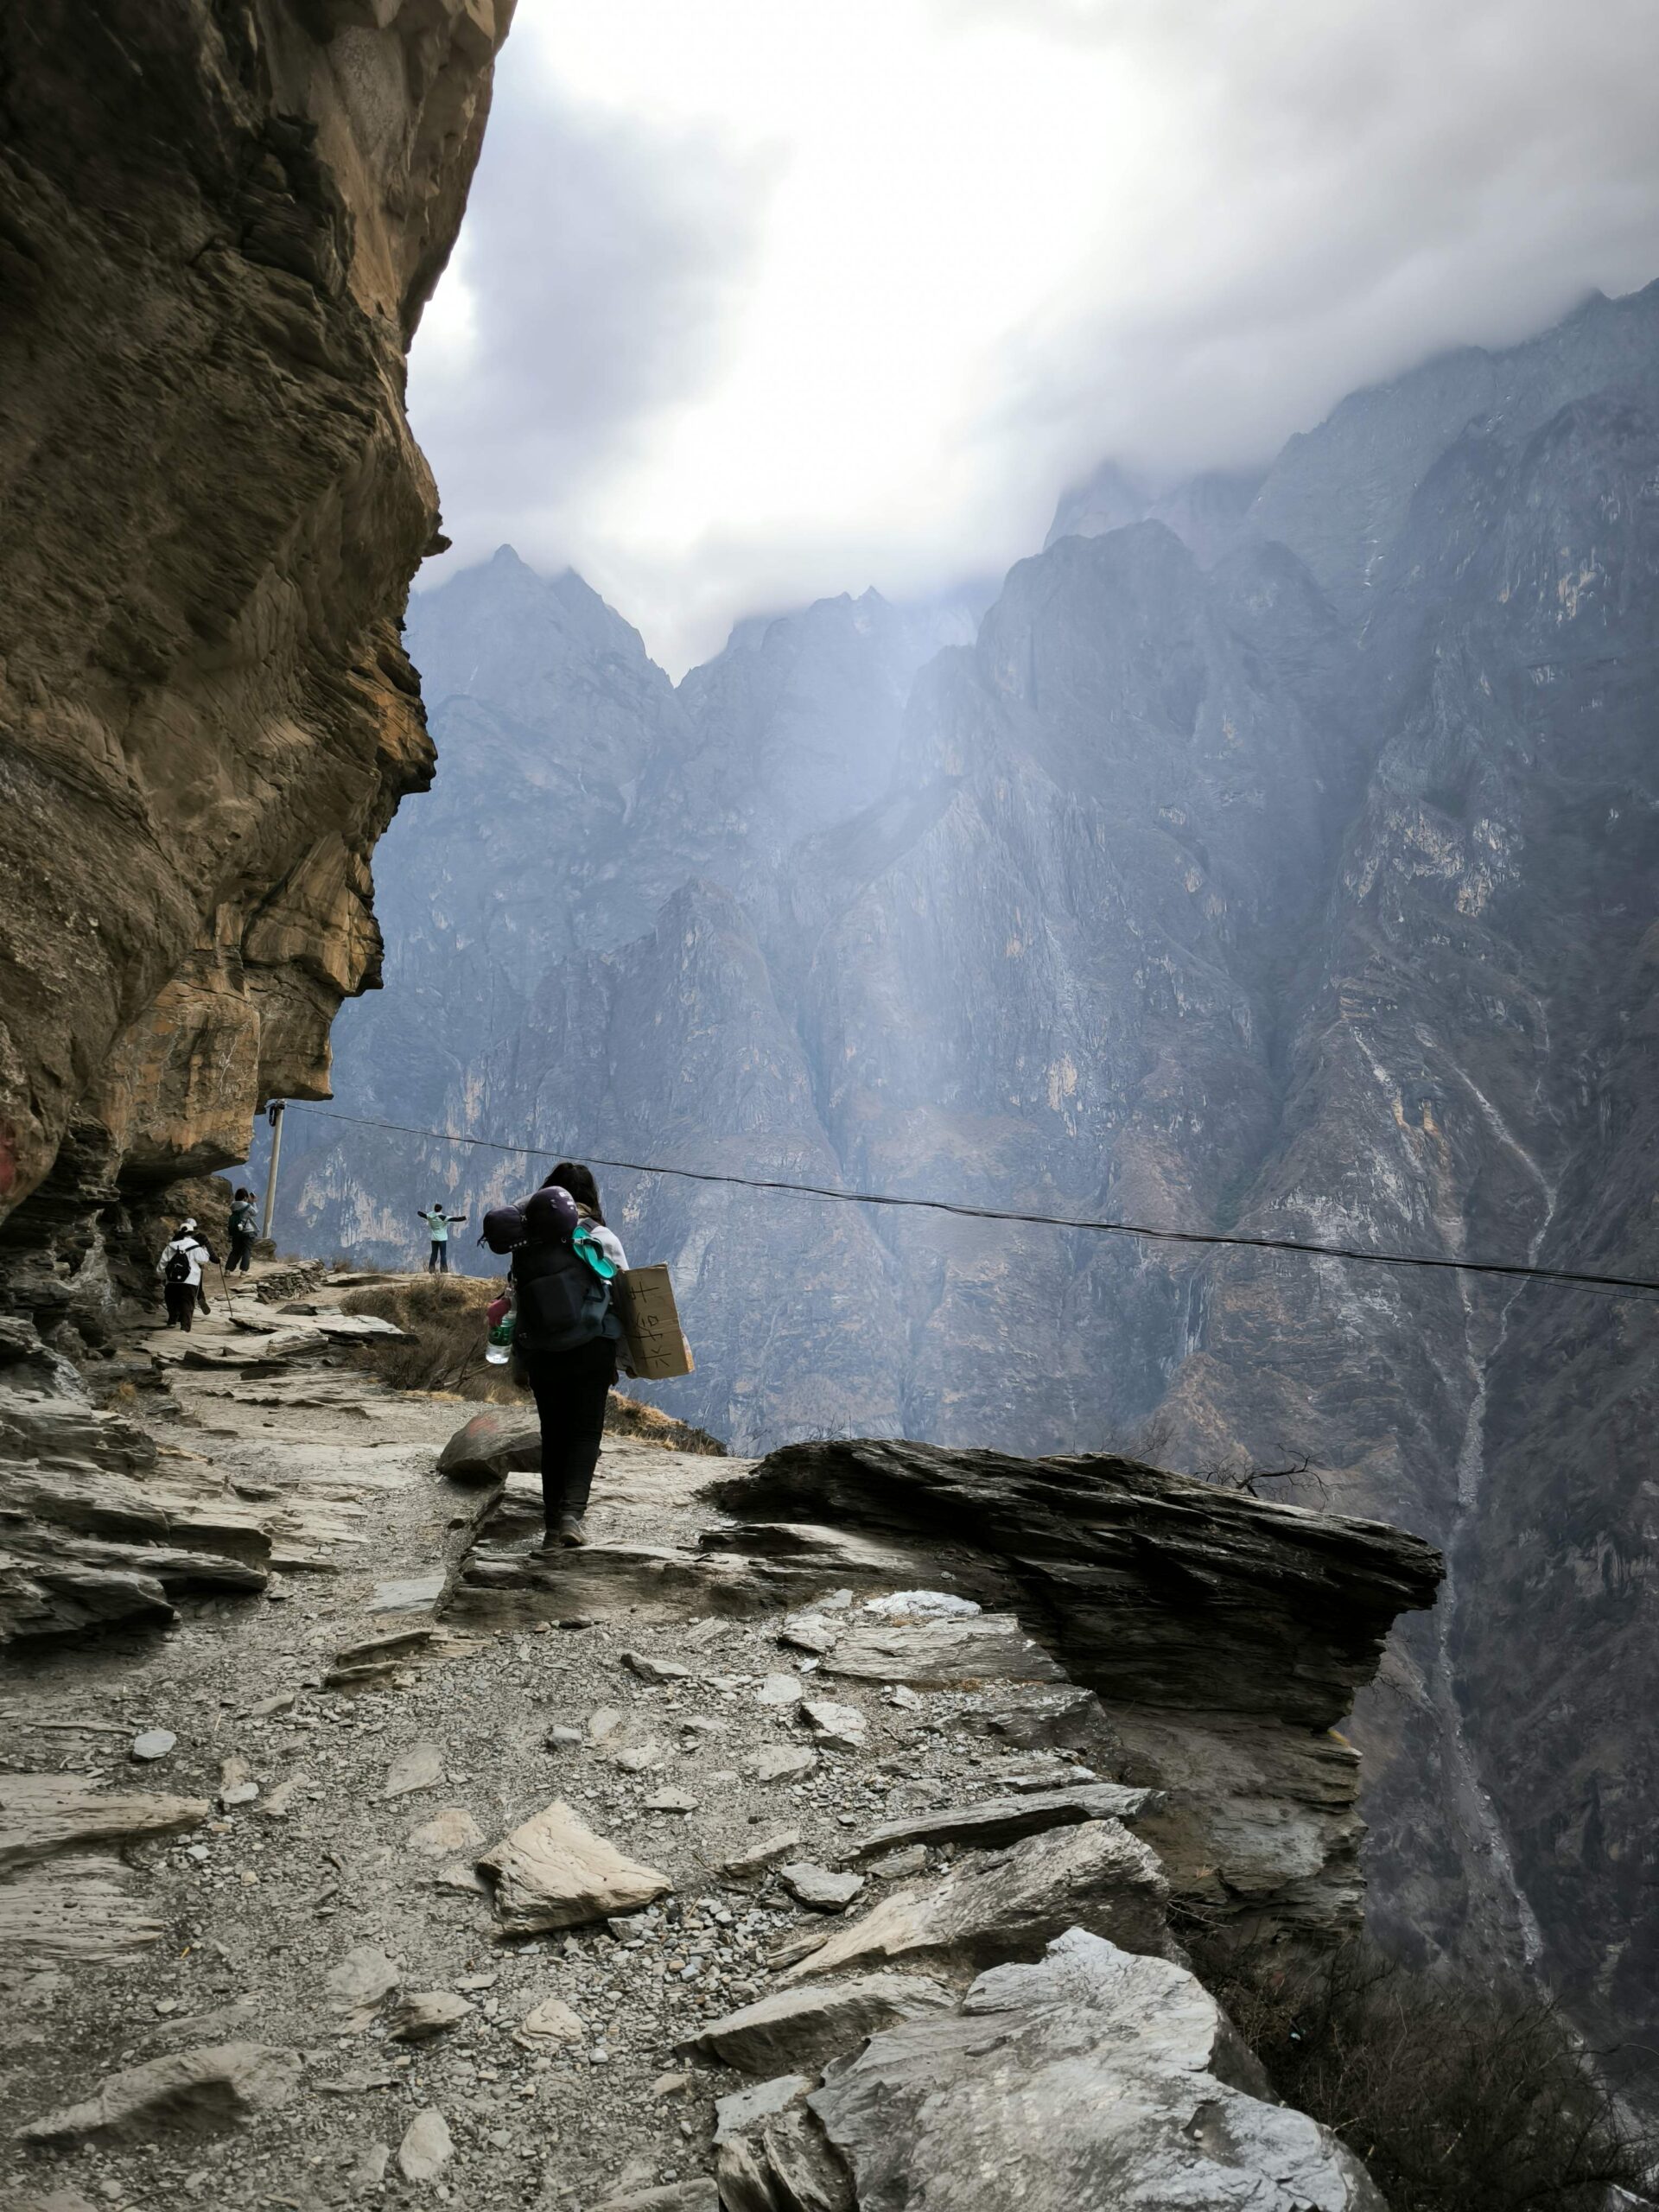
column 1117, row 2085
column 817, row 1886
column 426, row 2147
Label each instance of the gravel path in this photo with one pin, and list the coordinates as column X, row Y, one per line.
column 371, row 1806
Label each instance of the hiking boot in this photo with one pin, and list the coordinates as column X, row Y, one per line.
column 571, row 1531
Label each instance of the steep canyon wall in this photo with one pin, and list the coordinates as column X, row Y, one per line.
column 1277, row 854
column 218, row 228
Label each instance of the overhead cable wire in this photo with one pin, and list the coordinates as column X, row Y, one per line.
column 1577, row 1278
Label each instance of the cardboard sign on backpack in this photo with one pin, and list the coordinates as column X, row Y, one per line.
column 651, row 1321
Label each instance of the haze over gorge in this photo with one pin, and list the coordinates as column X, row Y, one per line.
column 1275, row 854
column 1216, row 1678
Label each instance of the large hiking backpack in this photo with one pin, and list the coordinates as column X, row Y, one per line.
column 177, row 1270
column 561, row 1299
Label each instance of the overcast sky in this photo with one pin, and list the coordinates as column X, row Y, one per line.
column 758, row 300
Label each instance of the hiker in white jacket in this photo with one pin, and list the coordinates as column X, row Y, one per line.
column 180, row 1268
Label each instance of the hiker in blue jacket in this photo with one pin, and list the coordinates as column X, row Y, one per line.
column 438, row 1226
column 566, row 1332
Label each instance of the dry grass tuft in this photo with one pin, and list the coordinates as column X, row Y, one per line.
column 444, row 1353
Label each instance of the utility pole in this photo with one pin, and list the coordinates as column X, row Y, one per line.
column 274, row 1116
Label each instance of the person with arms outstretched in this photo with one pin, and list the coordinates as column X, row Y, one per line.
column 438, row 1226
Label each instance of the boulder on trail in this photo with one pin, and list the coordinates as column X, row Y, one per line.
column 1117, row 2082
column 795, row 2030
column 1098, row 1876
column 491, row 1447
column 553, row 1872
column 197, row 2093
column 1005, row 1819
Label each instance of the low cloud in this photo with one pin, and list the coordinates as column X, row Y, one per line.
column 754, row 303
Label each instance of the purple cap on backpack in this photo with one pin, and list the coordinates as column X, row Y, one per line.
column 550, row 1214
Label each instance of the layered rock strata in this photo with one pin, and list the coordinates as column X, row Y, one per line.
column 218, row 228
column 1223, row 1638
column 1224, row 1635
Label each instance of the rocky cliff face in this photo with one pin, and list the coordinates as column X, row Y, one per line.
column 218, row 228
column 1279, row 856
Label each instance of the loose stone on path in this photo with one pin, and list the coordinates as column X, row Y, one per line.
column 421, row 1767
column 553, row 1872
column 426, row 2147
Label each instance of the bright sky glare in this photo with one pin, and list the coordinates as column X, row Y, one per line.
column 763, row 299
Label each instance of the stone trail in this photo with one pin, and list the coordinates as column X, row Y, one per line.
column 473, row 1878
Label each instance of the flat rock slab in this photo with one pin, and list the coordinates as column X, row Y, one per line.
column 1096, row 1877
column 553, row 1872
column 1006, row 1820
column 940, row 1654
column 418, row 1594
column 794, row 2030
column 420, row 1767
column 767, row 1851
column 699, row 2196
column 1113, row 2090
column 41, row 1815
column 781, row 1763
column 197, row 2092
column 842, row 1727
column 357, row 1328
column 815, row 1886
column 90, row 1909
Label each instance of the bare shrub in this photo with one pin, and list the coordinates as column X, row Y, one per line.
column 443, row 1350
column 1458, row 2095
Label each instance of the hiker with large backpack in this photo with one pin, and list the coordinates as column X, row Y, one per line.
column 565, row 1331
column 180, row 1268
column 244, row 1227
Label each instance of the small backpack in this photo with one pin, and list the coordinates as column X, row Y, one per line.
column 243, row 1218
column 178, row 1267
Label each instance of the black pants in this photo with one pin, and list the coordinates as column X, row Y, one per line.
column 241, row 1251
column 439, row 1262
column 181, row 1303
column 570, row 1388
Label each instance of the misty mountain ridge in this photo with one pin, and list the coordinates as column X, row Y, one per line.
column 1282, row 857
